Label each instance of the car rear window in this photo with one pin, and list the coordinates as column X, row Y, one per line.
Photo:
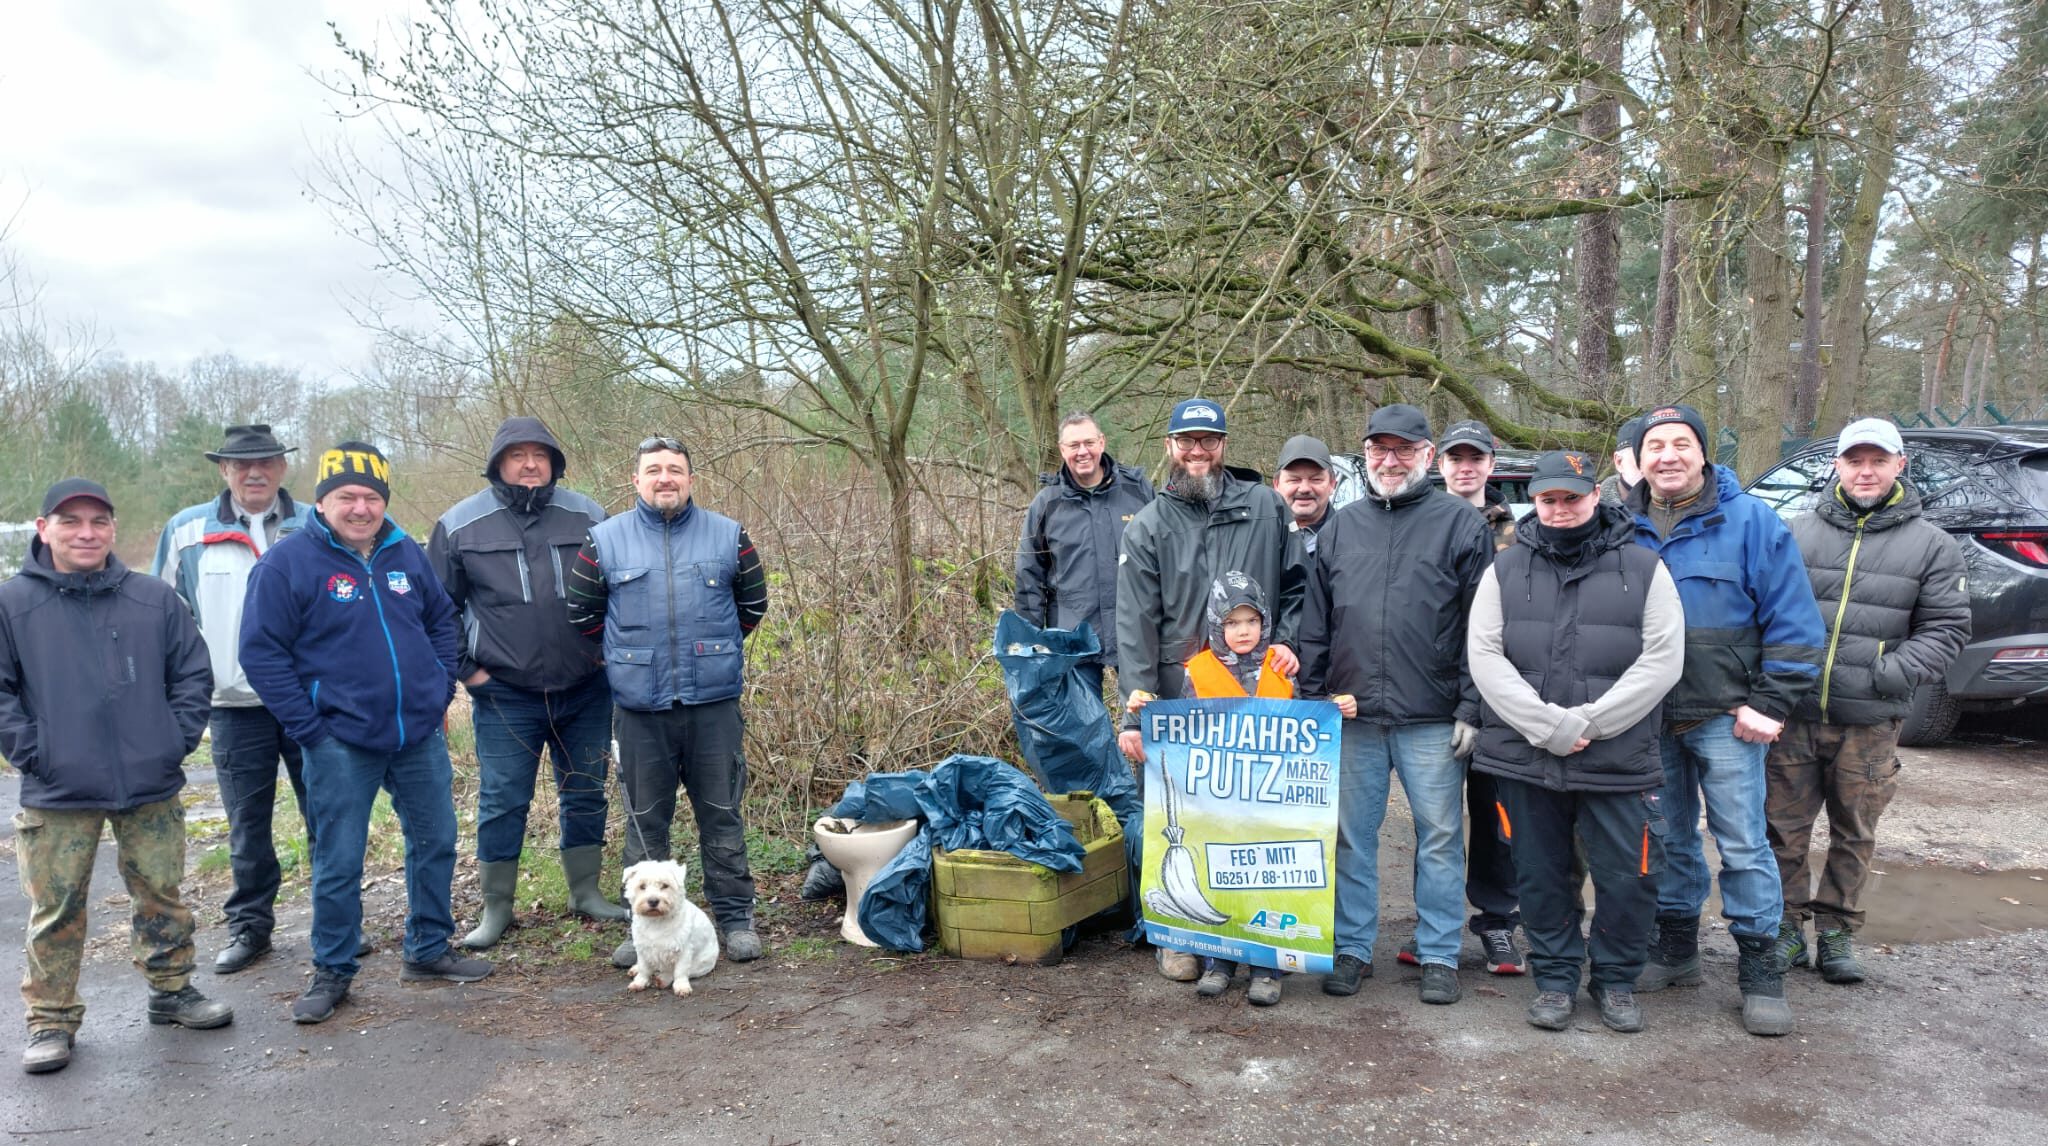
column 2030, row 477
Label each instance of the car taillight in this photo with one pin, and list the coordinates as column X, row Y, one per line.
column 2035, row 654
column 2029, row 545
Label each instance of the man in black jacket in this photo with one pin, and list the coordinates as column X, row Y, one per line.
column 1576, row 635
column 1066, row 557
column 1206, row 522
column 534, row 681
column 1890, row 587
column 104, row 686
column 1383, row 634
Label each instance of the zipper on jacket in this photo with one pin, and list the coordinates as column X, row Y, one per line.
column 1827, row 668
column 561, row 583
column 525, row 577
column 675, row 648
column 397, row 675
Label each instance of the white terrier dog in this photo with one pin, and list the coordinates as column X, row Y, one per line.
column 674, row 940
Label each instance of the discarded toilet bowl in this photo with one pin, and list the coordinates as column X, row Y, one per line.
column 859, row 851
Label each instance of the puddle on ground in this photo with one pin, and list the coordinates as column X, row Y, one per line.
column 1930, row 904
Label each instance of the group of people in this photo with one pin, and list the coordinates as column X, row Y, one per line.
column 1582, row 683
column 325, row 639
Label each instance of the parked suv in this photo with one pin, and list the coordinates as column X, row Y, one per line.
column 1989, row 489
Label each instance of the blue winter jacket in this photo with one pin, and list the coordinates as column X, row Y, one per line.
column 1753, row 633
column 364, row 651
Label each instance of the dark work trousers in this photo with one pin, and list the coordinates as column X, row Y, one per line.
column 1623, row 836
column 1489, row 862
column 247, row 745
column 696, row 746
column 1853, row 771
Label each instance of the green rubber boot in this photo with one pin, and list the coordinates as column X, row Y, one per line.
column 580, row 867
column 500, row 882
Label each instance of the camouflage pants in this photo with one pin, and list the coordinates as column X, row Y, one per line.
column 1851, row 769
column 56, row 849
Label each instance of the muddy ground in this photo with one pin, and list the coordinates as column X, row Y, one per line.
column 821, row 1043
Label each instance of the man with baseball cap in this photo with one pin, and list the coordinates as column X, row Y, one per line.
column 1576, row 635
column 1464, row 456
column 1752, row 652
column 1891, row 593
column 349, row 638
column 103, row 693
column 1206, row 522
column 1383, row 634
column 1616, row 485
column 206, row 552
column 1305, row 478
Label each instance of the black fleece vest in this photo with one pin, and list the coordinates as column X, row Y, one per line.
column 1572, row 631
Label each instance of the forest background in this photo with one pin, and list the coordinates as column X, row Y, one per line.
column 863, row 256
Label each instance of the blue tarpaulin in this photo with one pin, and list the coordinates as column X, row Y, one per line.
column 965, row 802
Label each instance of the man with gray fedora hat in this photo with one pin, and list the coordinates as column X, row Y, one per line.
column 206, row 552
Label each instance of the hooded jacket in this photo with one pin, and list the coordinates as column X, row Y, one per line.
column 1066, row 557
column 1173, row 550
column 1891, row 593
column 1216, row 671
column 1387, row 604
column 104, row 683
column 206, row 552
column 1753, row 634
column 1570, row 643
column 504, row 554
column 363, row 650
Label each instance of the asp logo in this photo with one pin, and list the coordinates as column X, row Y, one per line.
column 1272, row 921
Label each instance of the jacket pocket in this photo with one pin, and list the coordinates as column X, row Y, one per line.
column 632, row 607
column 630, row 669
column 718, row 665
column 1888, row 676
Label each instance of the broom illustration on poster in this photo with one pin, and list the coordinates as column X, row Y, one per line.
column 1179, row 893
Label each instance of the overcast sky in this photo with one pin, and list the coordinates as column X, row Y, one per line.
column 154, row 156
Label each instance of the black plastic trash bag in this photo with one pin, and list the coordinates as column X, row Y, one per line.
column 965, row 802
column 1065, row 731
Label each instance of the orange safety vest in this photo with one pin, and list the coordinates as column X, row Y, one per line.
column 1212, row 679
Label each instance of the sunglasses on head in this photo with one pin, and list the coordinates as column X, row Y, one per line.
column 649, row 445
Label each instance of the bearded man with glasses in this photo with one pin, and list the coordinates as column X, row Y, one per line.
column 1383, row 635
column 672, row 589
column 1206, row 522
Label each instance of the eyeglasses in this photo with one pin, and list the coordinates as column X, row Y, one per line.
column 1405, row 453
column 1082, row 444
column 1207, row 443
column 649, row 445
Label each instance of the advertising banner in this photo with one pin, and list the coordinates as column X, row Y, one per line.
column 1240, row 845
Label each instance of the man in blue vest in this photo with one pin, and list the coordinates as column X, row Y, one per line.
column 207, row 551
column 674, row 589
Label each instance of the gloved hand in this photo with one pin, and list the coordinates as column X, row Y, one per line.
column 1464, row 738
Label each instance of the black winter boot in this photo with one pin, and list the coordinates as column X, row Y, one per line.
column 1762, row 979
column 1674, row 955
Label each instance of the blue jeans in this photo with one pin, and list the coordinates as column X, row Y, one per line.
column 1707, row 760
column 512, row 726
column 1435, row 785
column 248, row 744
column 341, row 785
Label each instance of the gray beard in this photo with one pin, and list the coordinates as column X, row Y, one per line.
column 1372, row 482
column 1187, row 485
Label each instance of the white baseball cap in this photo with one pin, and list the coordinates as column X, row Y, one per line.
column 1877, row 432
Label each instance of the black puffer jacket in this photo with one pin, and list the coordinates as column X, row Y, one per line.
column 1066, row 558
column 1173, row 551
column 1388, row 599
column 503, row 554
column 104, row 686
column 1891, row 593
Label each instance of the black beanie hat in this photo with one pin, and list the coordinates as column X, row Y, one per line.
column 353, row 463
column 1664, row 416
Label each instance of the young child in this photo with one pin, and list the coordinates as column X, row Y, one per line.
column 1238, row 662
